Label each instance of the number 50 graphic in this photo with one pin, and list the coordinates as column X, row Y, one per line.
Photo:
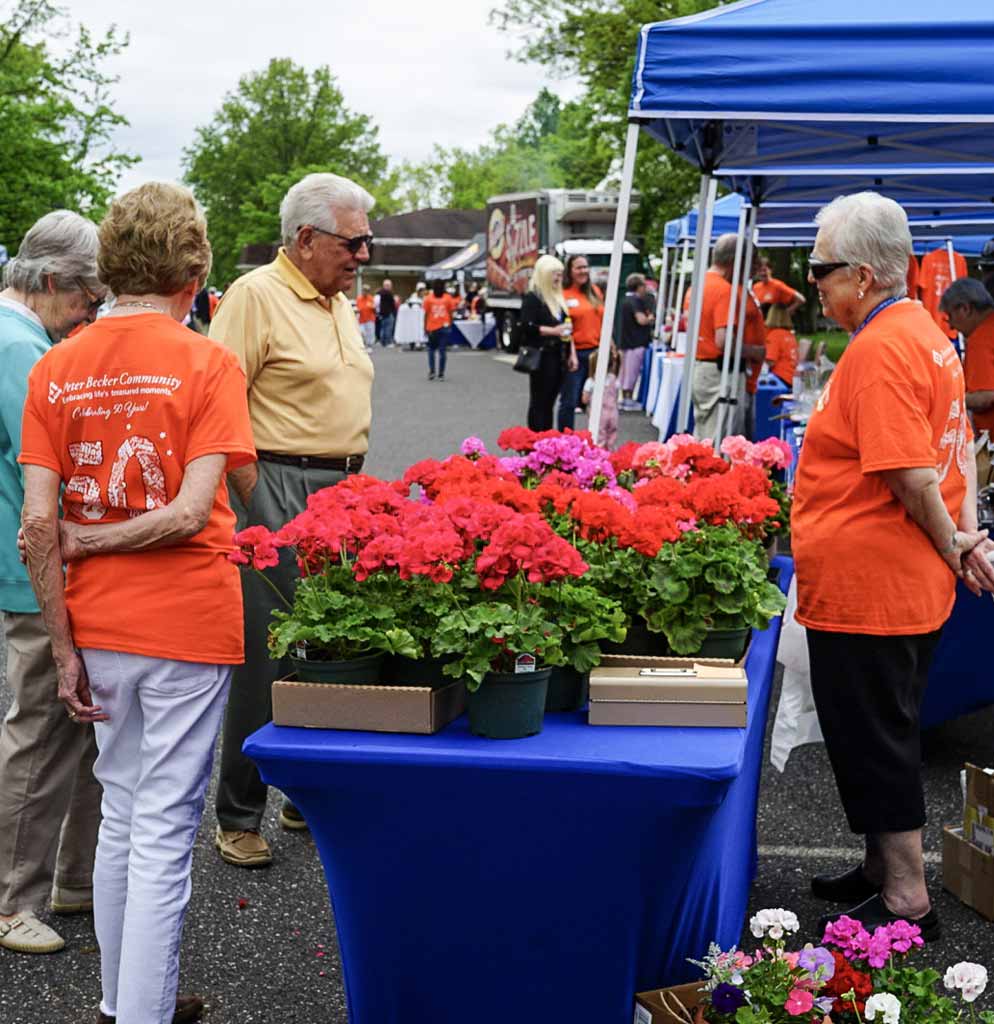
column 91, row 453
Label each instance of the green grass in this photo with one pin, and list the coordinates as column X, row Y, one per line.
column 835, row 342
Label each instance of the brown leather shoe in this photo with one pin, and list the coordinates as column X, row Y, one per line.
column 243, row 848
column 188, row 1008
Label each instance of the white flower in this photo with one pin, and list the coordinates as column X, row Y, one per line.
column 774, row 923
column 970, row 979
column 888, row 1006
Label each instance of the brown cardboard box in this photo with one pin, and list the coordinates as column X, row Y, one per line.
column 967, row 872
column 649, row 1007
column 650, row 661
column 370, row 708
column 681, row 694
column 978, row 808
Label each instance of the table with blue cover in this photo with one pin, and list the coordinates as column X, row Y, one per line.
column 532, row 880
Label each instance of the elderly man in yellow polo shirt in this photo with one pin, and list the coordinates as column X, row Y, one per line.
column 309, row 395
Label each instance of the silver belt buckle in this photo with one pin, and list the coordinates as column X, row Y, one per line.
column 351, row 460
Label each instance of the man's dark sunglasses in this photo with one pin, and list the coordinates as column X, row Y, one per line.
column 352, row 244
column 821, row 270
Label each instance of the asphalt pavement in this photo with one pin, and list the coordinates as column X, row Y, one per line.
column 261, row 944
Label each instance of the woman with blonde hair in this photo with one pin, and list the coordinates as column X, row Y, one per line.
column 139, row 419
column 544, row 326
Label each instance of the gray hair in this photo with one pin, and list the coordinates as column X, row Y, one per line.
column 724, row 250
column 313, row 201
column 61, row 245
column 966, row 291
column 634, row 281
column 868, row 228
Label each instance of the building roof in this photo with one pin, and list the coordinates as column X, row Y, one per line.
column 458, row 225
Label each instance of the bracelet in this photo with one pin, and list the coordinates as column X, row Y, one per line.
column 951, row 546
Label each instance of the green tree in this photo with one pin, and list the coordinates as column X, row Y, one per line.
column 56, row 122
column 278, row 125
column 595, row 41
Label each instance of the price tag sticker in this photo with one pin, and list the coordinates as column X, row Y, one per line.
column 525, row 663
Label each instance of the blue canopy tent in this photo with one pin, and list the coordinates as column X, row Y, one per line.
column 789, row 101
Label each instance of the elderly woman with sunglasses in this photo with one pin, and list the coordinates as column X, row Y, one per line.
column 884, row 523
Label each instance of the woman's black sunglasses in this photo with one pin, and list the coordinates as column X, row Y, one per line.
column 822, row 270
column 352, row 244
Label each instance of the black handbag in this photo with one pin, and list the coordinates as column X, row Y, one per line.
column 529, row 359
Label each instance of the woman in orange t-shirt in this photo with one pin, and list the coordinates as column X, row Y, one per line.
column 365, row 306
column 884, row 521
column 585, row 308
column 140, row 419
column 438, row 309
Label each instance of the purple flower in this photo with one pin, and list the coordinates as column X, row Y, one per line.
column 727, row 998
column 813, row 960
column 473, row 447
column 516, row 464
column 824, row 1004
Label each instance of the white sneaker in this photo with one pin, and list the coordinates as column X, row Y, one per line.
column 26, row 934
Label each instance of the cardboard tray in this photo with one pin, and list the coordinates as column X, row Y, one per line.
column 715, row 696
column 651, row 661
column 413, row 709
column 967, row 872
column 649, row 1008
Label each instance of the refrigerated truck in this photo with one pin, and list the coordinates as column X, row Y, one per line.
column 523, row 225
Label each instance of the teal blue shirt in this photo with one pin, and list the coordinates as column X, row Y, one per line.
column 22, row 343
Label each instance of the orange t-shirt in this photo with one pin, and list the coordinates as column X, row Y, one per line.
column 979, row 368
column 773, row 293
column 585, row 316
column 911, row 278
column 934, row 279
column 366, row 308
column 714, row 313
column 438, row 310
column 118, row 412
column 896, row 400
column 781, row 353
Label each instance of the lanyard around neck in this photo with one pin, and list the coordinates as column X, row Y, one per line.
column 878, row 309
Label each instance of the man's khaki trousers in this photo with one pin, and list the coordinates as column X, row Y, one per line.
column 49, row 800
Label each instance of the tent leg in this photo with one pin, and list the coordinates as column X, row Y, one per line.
column 705, row 215
column 614, row 277
column 740, row 325
column 661, row 297
column 726, row 354
column 677, row 298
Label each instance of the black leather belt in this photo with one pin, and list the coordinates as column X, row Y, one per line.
column 348, row 464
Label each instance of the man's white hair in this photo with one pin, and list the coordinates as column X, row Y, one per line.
column 871, row 229
column 61, row 245
column 724, row 250
column 314, row 199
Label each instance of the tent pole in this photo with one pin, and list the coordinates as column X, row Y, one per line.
column 740, row 325
column 951, row 253
column 673, row 295
column 661, row 296
column 726, row 354
column 614, row 277
column 705, row 213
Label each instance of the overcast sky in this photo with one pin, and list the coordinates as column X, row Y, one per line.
column 424, row 72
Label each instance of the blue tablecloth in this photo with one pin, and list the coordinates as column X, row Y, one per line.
column 532, row 880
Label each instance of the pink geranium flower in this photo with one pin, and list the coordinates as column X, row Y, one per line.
column 799, row 1002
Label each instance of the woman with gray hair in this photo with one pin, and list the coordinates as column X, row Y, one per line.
column 46, row 763
column 884, row 523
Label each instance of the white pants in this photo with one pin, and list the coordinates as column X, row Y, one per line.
column 368, row 332
column 706, row 390
column 154, row 762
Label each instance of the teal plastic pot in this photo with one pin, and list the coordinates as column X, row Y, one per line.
column 364, row 671
column 640, row 640
column 568, row 689
column 401, row 671
column 725, row 643
column 508, row 706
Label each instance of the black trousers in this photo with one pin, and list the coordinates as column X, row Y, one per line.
column 543, row 389
column 868, row 691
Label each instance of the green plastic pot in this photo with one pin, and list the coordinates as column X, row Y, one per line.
column 364, row 671
column 401, row 671
column 568, row 689
column 508, row 705
column 640, row 640
column 725, row 643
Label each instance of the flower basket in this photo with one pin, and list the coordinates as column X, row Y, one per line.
column 508, row 705
column 401, row 671
column 363, row 671
column 725, row 643
column 568, row 689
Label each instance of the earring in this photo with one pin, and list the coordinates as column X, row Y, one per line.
column 859, row 295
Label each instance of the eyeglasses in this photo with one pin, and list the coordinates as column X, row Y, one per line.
column 93, row 302
column 352, row 244
column 819, row 270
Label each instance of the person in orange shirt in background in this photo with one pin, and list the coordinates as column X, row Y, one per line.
column 933, row 281
column 970, row 309
column 585, row 308
column 711, row 341
column 883, row 524
column 779, row 302
column 439, row 306
column 365, row 306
